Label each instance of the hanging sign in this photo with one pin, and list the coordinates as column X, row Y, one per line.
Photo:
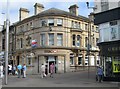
column 34, row 43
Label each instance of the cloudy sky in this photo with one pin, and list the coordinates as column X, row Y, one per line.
column 14, row 6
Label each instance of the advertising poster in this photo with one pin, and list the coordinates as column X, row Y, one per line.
column 116, row 64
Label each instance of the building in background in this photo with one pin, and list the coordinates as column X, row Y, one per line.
column 53, row 36
column 1, row 52
column 11, row 43
column 107, row 16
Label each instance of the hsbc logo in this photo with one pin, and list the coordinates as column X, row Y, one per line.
column 55, row 51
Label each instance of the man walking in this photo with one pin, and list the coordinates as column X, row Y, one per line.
column 19, row 67
column 43, row 71
column 1, row 70
column 14, row 69
column 51, row 70
column 100, row 73
column 10, row 69
column 24, row 71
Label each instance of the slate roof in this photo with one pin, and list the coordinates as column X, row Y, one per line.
column 54, row 11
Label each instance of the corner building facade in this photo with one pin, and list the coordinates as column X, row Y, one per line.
column 55, row 36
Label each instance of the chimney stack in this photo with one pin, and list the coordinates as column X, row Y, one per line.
column 23, row 13
column 38, row 8
column 74, row 9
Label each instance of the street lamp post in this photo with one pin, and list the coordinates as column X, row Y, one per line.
column 7, row 44
column 89, row 36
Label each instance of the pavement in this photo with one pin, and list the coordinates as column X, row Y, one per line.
column 71, row 79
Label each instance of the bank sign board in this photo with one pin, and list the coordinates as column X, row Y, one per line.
column 34, row 43
column 116, row 64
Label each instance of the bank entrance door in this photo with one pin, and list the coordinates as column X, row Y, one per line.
column 51, row 59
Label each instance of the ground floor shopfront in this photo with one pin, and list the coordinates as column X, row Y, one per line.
column 110, row 53
column 64, row 60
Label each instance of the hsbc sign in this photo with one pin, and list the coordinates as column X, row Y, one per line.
column 50, row 51
column 55, row 51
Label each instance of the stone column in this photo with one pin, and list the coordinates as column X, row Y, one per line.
column 83, row 60
column 55, row 22
column 95, row 60
column 75, row 61
column 46, row 39
column 55, row 39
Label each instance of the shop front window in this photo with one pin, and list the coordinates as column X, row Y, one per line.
column 98, row 60
column 108, row 67
column 71, row 59
column 29, row 61
column 80, row 60
column 86, row 60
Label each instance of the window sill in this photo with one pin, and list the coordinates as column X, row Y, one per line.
column 80, row 65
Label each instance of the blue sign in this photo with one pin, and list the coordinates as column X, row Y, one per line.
column 78, row 43
column 34, row 45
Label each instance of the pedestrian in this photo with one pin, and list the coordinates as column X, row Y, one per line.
column 1, row 70
column 24, row 71
column 19, row 67
column 14, row 69
column 46, row 70
column 43, row 71
column 100, row 73
column 51, row 70
column 10, row 69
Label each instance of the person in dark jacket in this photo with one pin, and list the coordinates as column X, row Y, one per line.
column 46, row 70
column 100, row 73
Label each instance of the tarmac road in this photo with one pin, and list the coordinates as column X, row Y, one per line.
column 72, row 79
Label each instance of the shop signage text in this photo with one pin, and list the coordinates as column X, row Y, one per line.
column 116, row 64
column 50, row 51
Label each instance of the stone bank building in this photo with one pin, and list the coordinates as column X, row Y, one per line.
column 55, row 36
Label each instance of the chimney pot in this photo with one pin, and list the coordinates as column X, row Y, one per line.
column 74, row 9
column 38, row 8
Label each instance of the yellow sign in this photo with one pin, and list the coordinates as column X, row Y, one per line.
column 116, row 64
column 13, row 58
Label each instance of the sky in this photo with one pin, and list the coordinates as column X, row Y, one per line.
column 14, row 6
